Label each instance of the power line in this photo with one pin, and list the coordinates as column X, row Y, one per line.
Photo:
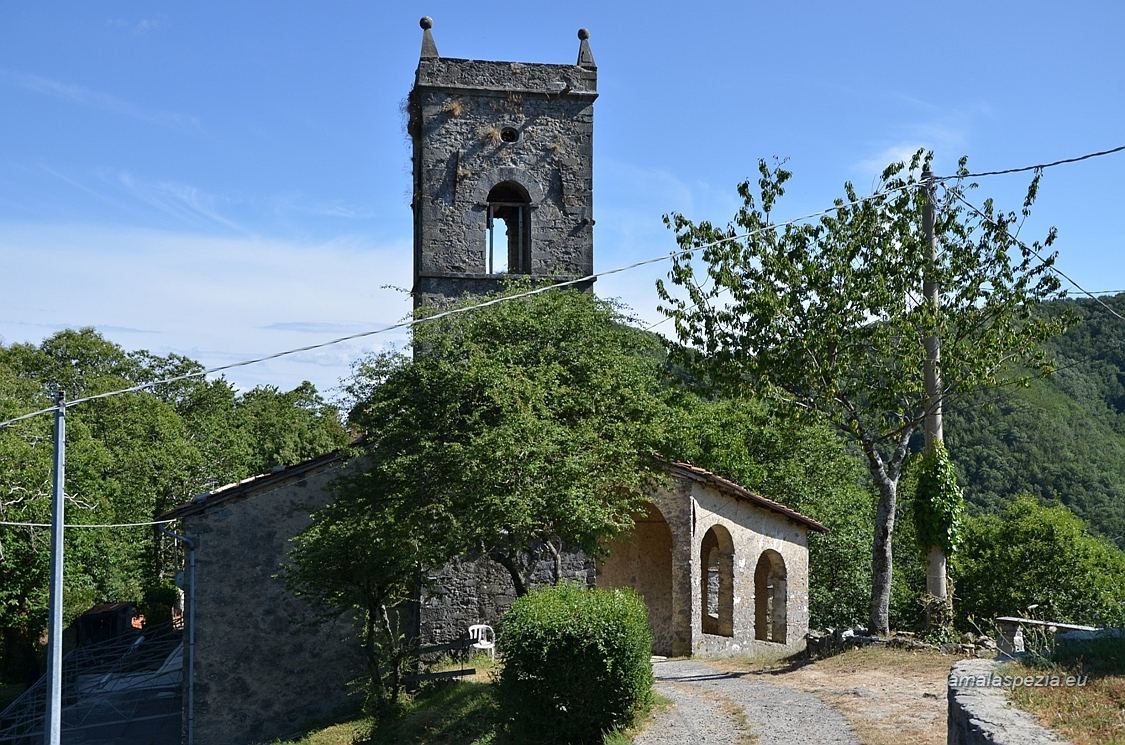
column 1036, row 167
column 456, row 311
column 1039, row 256
column 83, row 525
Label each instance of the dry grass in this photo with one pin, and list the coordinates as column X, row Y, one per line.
column 1092, row 713
column 888, row 696
column 738, row 714
column 491, row 134
column 1086, row 715
column 453, row 107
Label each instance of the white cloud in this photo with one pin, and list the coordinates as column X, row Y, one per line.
column 181, row 201
column 215, row 299
column 81, row 96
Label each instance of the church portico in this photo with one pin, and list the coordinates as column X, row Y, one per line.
column 722, row 570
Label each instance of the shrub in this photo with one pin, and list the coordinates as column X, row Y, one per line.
column 1036, row 555
column 576, row 663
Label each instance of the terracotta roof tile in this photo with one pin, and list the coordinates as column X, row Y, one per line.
column 741, row 492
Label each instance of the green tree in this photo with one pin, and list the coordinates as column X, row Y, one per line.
column 129, row 458
column 362, row 554
column 519, row 428
column 804, row 465
column 1031, row 554
column 827, row 315
column 515, row 431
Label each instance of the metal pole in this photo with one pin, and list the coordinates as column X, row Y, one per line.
column 53, row 726
column 189, row 696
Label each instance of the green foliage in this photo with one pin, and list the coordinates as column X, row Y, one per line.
column 803, row 464
column 363, row 553
column 1059, row 437
column 1032, row 554
column 538, row 418
column 576, row 663
column 515, row 431
column 938, row 504
column 825, row 314
column 129, row 459
column 157, row 603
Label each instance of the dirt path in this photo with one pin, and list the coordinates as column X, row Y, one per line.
column 714, row 706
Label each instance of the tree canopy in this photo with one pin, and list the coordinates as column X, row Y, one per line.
column 129, row 458
column 539, row 418
column 827, row 315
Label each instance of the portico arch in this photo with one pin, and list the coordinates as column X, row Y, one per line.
column 716, row 582
column 642, row 559
column 770, row 596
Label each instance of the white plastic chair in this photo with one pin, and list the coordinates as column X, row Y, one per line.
column 484, row 639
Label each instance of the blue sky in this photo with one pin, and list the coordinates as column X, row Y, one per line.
column 225, row 180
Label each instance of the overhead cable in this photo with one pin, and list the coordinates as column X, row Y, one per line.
column 1039, row 256
column 88, row 525
column 1036, row 167
column 456, row 311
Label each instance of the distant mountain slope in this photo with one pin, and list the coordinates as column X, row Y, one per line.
column 1061, row 437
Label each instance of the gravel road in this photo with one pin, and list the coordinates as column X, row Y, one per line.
column 712, row 706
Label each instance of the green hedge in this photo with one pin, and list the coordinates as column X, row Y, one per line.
column 576, row 663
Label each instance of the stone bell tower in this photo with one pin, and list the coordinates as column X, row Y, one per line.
column 503, row 171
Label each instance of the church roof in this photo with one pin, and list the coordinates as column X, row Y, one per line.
column 247, row 486
column 739, row 491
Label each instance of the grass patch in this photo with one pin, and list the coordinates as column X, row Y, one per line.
column 463, row 712
column 1088, row 714
column 484, row 665
column 446, row 714
column 345, row 733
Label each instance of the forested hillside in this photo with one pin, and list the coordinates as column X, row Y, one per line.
column 1060, row 437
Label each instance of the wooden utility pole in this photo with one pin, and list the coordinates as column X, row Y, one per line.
column 936, row 559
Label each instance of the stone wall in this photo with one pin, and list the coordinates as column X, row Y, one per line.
column 642, row 559
column 265, row 666
column 463, row 593
column 979, row 714
column 457, row 109
column 753, row 530
column 662, row 558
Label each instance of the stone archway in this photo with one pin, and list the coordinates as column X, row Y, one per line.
column 716, row 582
column 642, row 559
column 770, row 595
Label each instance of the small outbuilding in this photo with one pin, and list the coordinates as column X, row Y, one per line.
column 722, row 570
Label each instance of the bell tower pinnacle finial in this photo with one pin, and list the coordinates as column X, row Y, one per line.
column 585, row 56
column 429, row 48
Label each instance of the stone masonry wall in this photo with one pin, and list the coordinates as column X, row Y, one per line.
column 642, row 559
column 468, row 592
column 753, row 531
column 979, row 714
column 264, row 666
column 457, row 109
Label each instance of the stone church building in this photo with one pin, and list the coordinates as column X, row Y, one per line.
column 502, row 162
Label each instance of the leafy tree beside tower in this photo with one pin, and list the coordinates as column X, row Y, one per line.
column 829, row 317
